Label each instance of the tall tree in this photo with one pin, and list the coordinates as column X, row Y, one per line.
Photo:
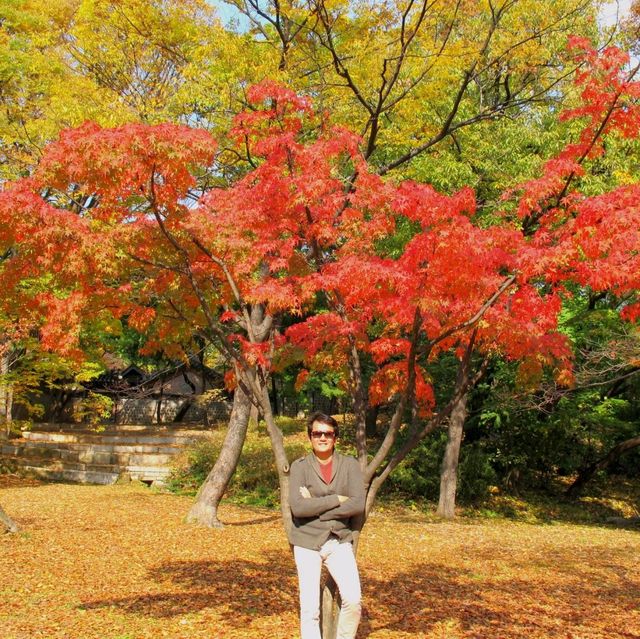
column 408, row 75
column 302, row 224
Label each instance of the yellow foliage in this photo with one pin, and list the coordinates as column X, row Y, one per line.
column 403, row 74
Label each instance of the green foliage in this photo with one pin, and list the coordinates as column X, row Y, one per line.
column 34, row 373
column 535, row 438
column 255, row 481
column 193, row 466
column 419, row 475
column 94, row 408
column 326, row 383
column 476, row 474
column 528, row 448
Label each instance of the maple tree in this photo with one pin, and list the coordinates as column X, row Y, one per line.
column 107, row 217
column 116, row 220
column 66, row 62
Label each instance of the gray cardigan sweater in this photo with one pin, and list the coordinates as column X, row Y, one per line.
column 317, row 517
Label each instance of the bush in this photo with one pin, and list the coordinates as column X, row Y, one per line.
column 419, row 474
column 192, row 466
column 475, row 474
column 255, row 480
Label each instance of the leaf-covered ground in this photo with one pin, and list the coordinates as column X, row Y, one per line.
column 118, row 562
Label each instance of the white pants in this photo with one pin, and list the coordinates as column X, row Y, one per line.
column 341, row 564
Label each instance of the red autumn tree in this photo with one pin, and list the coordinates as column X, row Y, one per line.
column 495, row 291
column 114, row 221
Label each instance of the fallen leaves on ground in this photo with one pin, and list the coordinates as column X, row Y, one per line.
column 118, row 562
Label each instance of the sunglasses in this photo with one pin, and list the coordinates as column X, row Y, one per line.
column 319, row 434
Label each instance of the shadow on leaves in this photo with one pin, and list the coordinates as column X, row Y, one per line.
column 238, row 590
column 525, row 597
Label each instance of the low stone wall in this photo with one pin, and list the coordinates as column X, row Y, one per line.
column 145, row 411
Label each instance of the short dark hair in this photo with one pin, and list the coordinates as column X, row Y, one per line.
column 321, row 418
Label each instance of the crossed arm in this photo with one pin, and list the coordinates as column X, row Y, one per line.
column 304, row 491
column 303, row 504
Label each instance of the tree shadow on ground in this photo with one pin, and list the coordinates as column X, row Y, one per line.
column 486, row 605
column 253, row 522
column 560, row 595
column 239, row 590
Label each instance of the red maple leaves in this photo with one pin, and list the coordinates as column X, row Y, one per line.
column 116, row 219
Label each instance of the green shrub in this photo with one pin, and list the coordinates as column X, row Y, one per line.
column 255, row 480
column 475, row 474
column 419, row 474
column 192, row 467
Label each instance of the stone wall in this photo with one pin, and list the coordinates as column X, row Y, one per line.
column 145, row 411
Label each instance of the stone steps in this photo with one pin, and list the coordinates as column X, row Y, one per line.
column 150, row 437
column 72, row 475
column 72, row 427
column 92, row 454
column 86, row 456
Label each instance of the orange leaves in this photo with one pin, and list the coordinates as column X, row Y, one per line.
column 391, row 380
column 271, row 130
column 608, row 96
column 384, row 348
column 605, row 239
column 254, row 353
column 325, row 330
column 423, row 204
column 301, row 379
column 133, row 160
column 90, row 210
column 59, row 331
column 141, row 317
column 537, row 192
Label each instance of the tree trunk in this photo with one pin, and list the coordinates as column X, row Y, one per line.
column 205, row 508
column 279, row 453
column 8, row 524
column 371, row 421
column 6, row 395
column 183, row 410
column 449, row 470
column 9, row 409
column 604, row 462
column 60, row 401
column 159, row 405
column 274, row 395
column 329, row 609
